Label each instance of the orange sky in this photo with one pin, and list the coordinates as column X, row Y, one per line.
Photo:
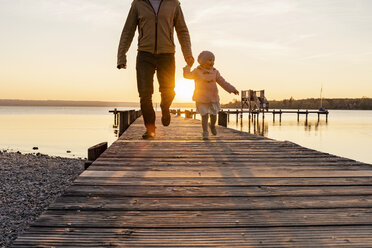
column 66, row 50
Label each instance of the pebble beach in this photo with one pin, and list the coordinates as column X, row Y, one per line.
column 29, row 183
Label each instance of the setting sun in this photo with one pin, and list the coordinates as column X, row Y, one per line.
column 184, row 90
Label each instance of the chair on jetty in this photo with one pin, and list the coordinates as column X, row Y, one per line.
column 253, row 102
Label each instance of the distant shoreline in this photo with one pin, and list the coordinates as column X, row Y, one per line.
column 64, row 103
column 363, row 103
column 311, row 103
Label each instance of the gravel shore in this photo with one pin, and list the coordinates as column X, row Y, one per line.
column 28, row 184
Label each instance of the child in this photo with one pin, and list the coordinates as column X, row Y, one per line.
column 206, row 92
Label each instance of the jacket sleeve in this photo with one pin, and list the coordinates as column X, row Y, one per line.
column 127, row 34
column 182, row 32
column 225, row 85
column 187, row 73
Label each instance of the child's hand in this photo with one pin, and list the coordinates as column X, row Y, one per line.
column 236, row 92
column 187, row 68
column 187, row 72
column 190, row 60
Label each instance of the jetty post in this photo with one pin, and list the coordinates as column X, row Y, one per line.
column 123, row 122
column 222, row 119
column 123, row 119
column 188, row 114
column 94, row 152
column 116, row 118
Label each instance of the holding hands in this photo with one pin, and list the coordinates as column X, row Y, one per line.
column 190, row 60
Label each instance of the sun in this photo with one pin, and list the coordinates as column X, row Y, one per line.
column 184, row 90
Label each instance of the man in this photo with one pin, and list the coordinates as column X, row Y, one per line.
column 156, row 21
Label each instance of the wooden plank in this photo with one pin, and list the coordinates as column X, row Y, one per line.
column 216, row 150
column 262, row 162
column 217, row 155
column 231, row 173
column 209, row 203
column 206, row 219
column 221, row 161
column 216, row 140
column 190, row 136
column 226, row 181
column 221, row 167
column 217, row 191
column 216, row 237
column 319, row 230
column 180, row 158
column 264, row 144
column 155, row 165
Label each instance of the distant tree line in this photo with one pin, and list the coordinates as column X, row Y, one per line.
column 62, row 103
column 363, row 103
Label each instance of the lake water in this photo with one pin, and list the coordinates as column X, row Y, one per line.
column 70, row 131
column 55, row 130
column 347, row 133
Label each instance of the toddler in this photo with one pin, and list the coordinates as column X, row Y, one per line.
column 206, row 92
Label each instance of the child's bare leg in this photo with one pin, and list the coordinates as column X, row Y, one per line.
column 213, row 124
column 213, row 120
column 205, row 125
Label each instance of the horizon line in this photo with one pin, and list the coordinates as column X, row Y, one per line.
column 136, row 102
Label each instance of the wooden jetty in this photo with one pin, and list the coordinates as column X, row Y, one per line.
column 234, row 190
column 255, row 114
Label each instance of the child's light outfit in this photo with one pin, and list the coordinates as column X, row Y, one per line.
column 208, row 108
column 206, row 91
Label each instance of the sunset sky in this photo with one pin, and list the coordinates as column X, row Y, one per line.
column 66, row 49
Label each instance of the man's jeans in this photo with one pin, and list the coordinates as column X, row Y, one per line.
column 164, row 65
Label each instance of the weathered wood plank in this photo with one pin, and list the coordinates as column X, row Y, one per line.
column 254, row 172
column 221, row 159
column 182, row 162
column 209, row 203
column 217, row 191
column 237, row 167
column 226, row 181
column 206, row 219
column 216, row 237
column 217, row 155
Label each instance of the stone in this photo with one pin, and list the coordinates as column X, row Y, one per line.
column 28, row 185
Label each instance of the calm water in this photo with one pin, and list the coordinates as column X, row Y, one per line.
column 347, row 133
column 56, row 130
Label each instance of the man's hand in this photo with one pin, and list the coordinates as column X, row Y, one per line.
column 122, row 67
column 190, row 60
column 123, row 62
column 236, row 92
